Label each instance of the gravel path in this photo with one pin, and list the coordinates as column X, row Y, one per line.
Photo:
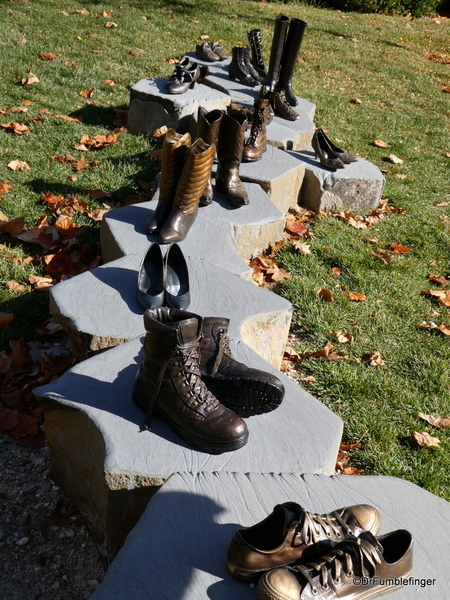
column 55, row 560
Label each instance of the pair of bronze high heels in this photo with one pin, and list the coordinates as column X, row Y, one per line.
column 329, row 154
column 184, row 76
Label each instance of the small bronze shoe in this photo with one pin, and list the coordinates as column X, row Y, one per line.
column 359, row 568
column 282, row 107
column 291, row 533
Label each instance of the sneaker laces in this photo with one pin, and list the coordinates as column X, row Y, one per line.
column 353, row 555
column 314, row 527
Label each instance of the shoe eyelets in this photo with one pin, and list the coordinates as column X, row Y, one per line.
column 325, row 587
column 337, row 581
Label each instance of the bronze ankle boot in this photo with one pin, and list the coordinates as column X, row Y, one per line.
column 245, row 390
column 168, row 384
column 208, row 124
column 282, row 107
column 196, row 172
column 256, row 144
column 174, row 152
column 229, row 153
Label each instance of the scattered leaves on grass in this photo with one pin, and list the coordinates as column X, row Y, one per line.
column 15, row 286
column 78, row 164
column 30, row 79
column 335, row 271
column 204, row 37
column 47, row 56
column 325, row 295
column 98, row 213
column 399, row 249
column 100, row 141
column 424, row 439
column 441, row 203
column 21, row 42
column 18, row 165
column 395, row 159
column 445, row 218
column 444, row 328
column 442, row 295
column 87, row 93
column 345, row 337
column 355, row 296
column 265, row 269
column 446, row 89
column 41, row 284
column 302, row 247
column 110, row 24
column 106, row 13
column 6, row 319
column 97, row 194
column 441, row 422
column 357, row 101
column 381, row 144
column 295, row 228
column 5, row 187
column 343, row 460
column 13, row 227
column 109, row 81
column 375, row 360
column 439, row 279
column 17, row 128
column 324, row 353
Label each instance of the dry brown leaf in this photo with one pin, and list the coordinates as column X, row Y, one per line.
column 17, row 128
column 443, row 295
column 204, row 37
column 21, row 42
column 445, row 89
column 335, row 271
column 18, row 165
column 18, row 109
column 445, row 218
column 277, row 274
column 357, row 101
column 192, row 20
column 345, row 337
column 6, row 319
column 47, row 56
column 355, row 296
column 97, row 214
column 13, row 227
column 444, row 328
column 381, row 144
column 302, row 247
column 395, row 159
column 98, row 194
column 398, row 249
column 98, row 51
column 441, row 422
column 30, row 79
column 5, row 187
column 439, row 279
column 106, row 13
column 109, row 81
column 325, row 295
column 15, row 286
column 110, row 24
column 375, row 360
column 441, row 203
column 384, row 255
column 424, row 439
column 40, row 284
column 82, row 11
column 80, row 147
column 294, row 228
column 87, row 93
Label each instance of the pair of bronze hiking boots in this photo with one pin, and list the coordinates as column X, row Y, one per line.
column 297, row 555
column 188, row 376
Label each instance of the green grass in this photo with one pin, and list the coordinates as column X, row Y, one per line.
column 403, row 103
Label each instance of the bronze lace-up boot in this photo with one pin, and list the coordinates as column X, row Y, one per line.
column 174, row 152
column 196, row 172
column 208, row 124
column 229, row 153
column 256, row 144
column 359, row 568
column 168, row 384
column 245, row 390
column 290, row 533
column 282, row 107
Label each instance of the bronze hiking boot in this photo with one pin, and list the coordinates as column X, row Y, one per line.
column 359, row 568
column 168, row 384
column 290, row 533
column 244, row 390
column 256, row 144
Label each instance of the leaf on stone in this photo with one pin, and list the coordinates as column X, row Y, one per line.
column 87, row 93
column 40, row 284
column 439, row 279
column 375, row 360
column 13, row 227
column 325, row 295
column 158, row 134
column 17, row 128
column 5, row 187
column 381, row 144
column 30, row 79
column 302, row 247
column 424, row 439
column 110, row 24
column 6, row 319
column 47, row 56
column 355, row 296
column 399, row 249
column 441, row 422
column 18, row 165
column 395, row 159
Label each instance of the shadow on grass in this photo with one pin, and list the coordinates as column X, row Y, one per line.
column 33, row 310
column 101, row 116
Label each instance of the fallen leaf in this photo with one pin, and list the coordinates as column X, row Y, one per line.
column 441, row 422
column 357, row 101
column 81, row 147
column 384, row 255
column 426, row 440
column 395, row 159
column 18, row 109
column 15, row 286
column 98, row 194
column 6, row 319
column 345, row 337
column 349, row 447
column 445, row 218
column 5, row 187
column 355, row 296
column 441, row 203
column 204, row 37
column 192, row 20
column 100, row 141
column 47, row 56
column 446, row 89
column 106, row 13
column 30, row 79
column 309, row 379
column 335, row 271
column 87, row 93
column 17, row 128
column 442, row 295
column 302, row 247
column 40, row 284
column 381, row 144
column 325, row 295
column 18, row 165
column 98, row 51
column 439, row 279
column 83, row 11
column 13, row 227
column 109, row 81
column 21, row 42
column 444, row 328
column 398, row 249
column 110, row 24
column 295, row 228
column 375, row 360
column 98, row 213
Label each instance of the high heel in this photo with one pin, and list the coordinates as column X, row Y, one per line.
column 324, row 152
column 344, row 156
column 183, row 78
column 176, row 281
column 150, row 290
column 238, row 67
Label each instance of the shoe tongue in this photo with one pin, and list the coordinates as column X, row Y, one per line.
column 292, row 512
column 187, row 330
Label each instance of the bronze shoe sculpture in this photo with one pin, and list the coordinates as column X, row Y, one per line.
column 282, row 107
column 168, row 384
column 325, row 153
column 208, row 125
column 241, row 69
column 176, row 279
column 359, row 568
column 290, row 533
column 229, row 153
column 292, row 46
column 246, row 391
column 196, row 172
column 174, row 151
column 346, row 157
column 256, row 144
column 150, row 289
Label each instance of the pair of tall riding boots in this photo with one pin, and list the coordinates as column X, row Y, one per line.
column 186, row 172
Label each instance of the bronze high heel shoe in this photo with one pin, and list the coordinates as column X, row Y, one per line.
column 324, row 152
column 184, row 78
column 344, row 156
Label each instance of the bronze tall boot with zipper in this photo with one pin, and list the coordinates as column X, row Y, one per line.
column 208, row 125
column 229, row 153
column 196, row 172
column 175, row 148
column 168, row 384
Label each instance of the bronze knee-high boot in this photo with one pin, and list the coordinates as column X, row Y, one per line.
column 196, row 172
column 229, row 154
column 174, row 152
column 208, row 124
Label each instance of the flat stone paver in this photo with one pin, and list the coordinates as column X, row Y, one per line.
column 178, row 548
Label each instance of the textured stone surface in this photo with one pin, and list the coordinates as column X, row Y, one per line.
column 223, row 234
column 151, row 106
column 110, row 313
column 110, row 466
column 357, row 187
column 279, row 174
column 180, row 544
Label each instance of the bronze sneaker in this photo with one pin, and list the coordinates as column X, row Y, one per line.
column 359, row 568
column 290, row 533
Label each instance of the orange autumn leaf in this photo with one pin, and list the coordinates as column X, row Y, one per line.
column 47, row 56
column 335, row 271
column 13, row 227
column 65, row 226
column 5, row 187
column 17, row 128
column 424, row 439
column 87, row 93
column 439, row 279
column 399, row 249
column 295, row 228
column 355, row 296
column 325, row 295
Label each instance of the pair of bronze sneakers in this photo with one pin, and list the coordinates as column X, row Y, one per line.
column 297, row 555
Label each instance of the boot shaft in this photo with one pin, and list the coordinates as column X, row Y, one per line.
column 196, row 172
column 292, row 46
column 175, row 148
column 231, row 138
column 255, row 42
column 276, row 52
column 208, row 125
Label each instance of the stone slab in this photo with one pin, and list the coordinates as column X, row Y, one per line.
column 179, row 546
column 98, row 309
column 151, row 106
column 109, row 466
column 224, row 234
column 357, row 188
column 279, row 174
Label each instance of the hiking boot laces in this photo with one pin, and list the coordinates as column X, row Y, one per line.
column 258, row 118
column 224, row 348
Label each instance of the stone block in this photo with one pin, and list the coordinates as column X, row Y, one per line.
column 151, row 106
column 98, row 309
column 179, row 545
column 224, row 234
column 356, row 188
column 110, row 467
column 279, row 174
